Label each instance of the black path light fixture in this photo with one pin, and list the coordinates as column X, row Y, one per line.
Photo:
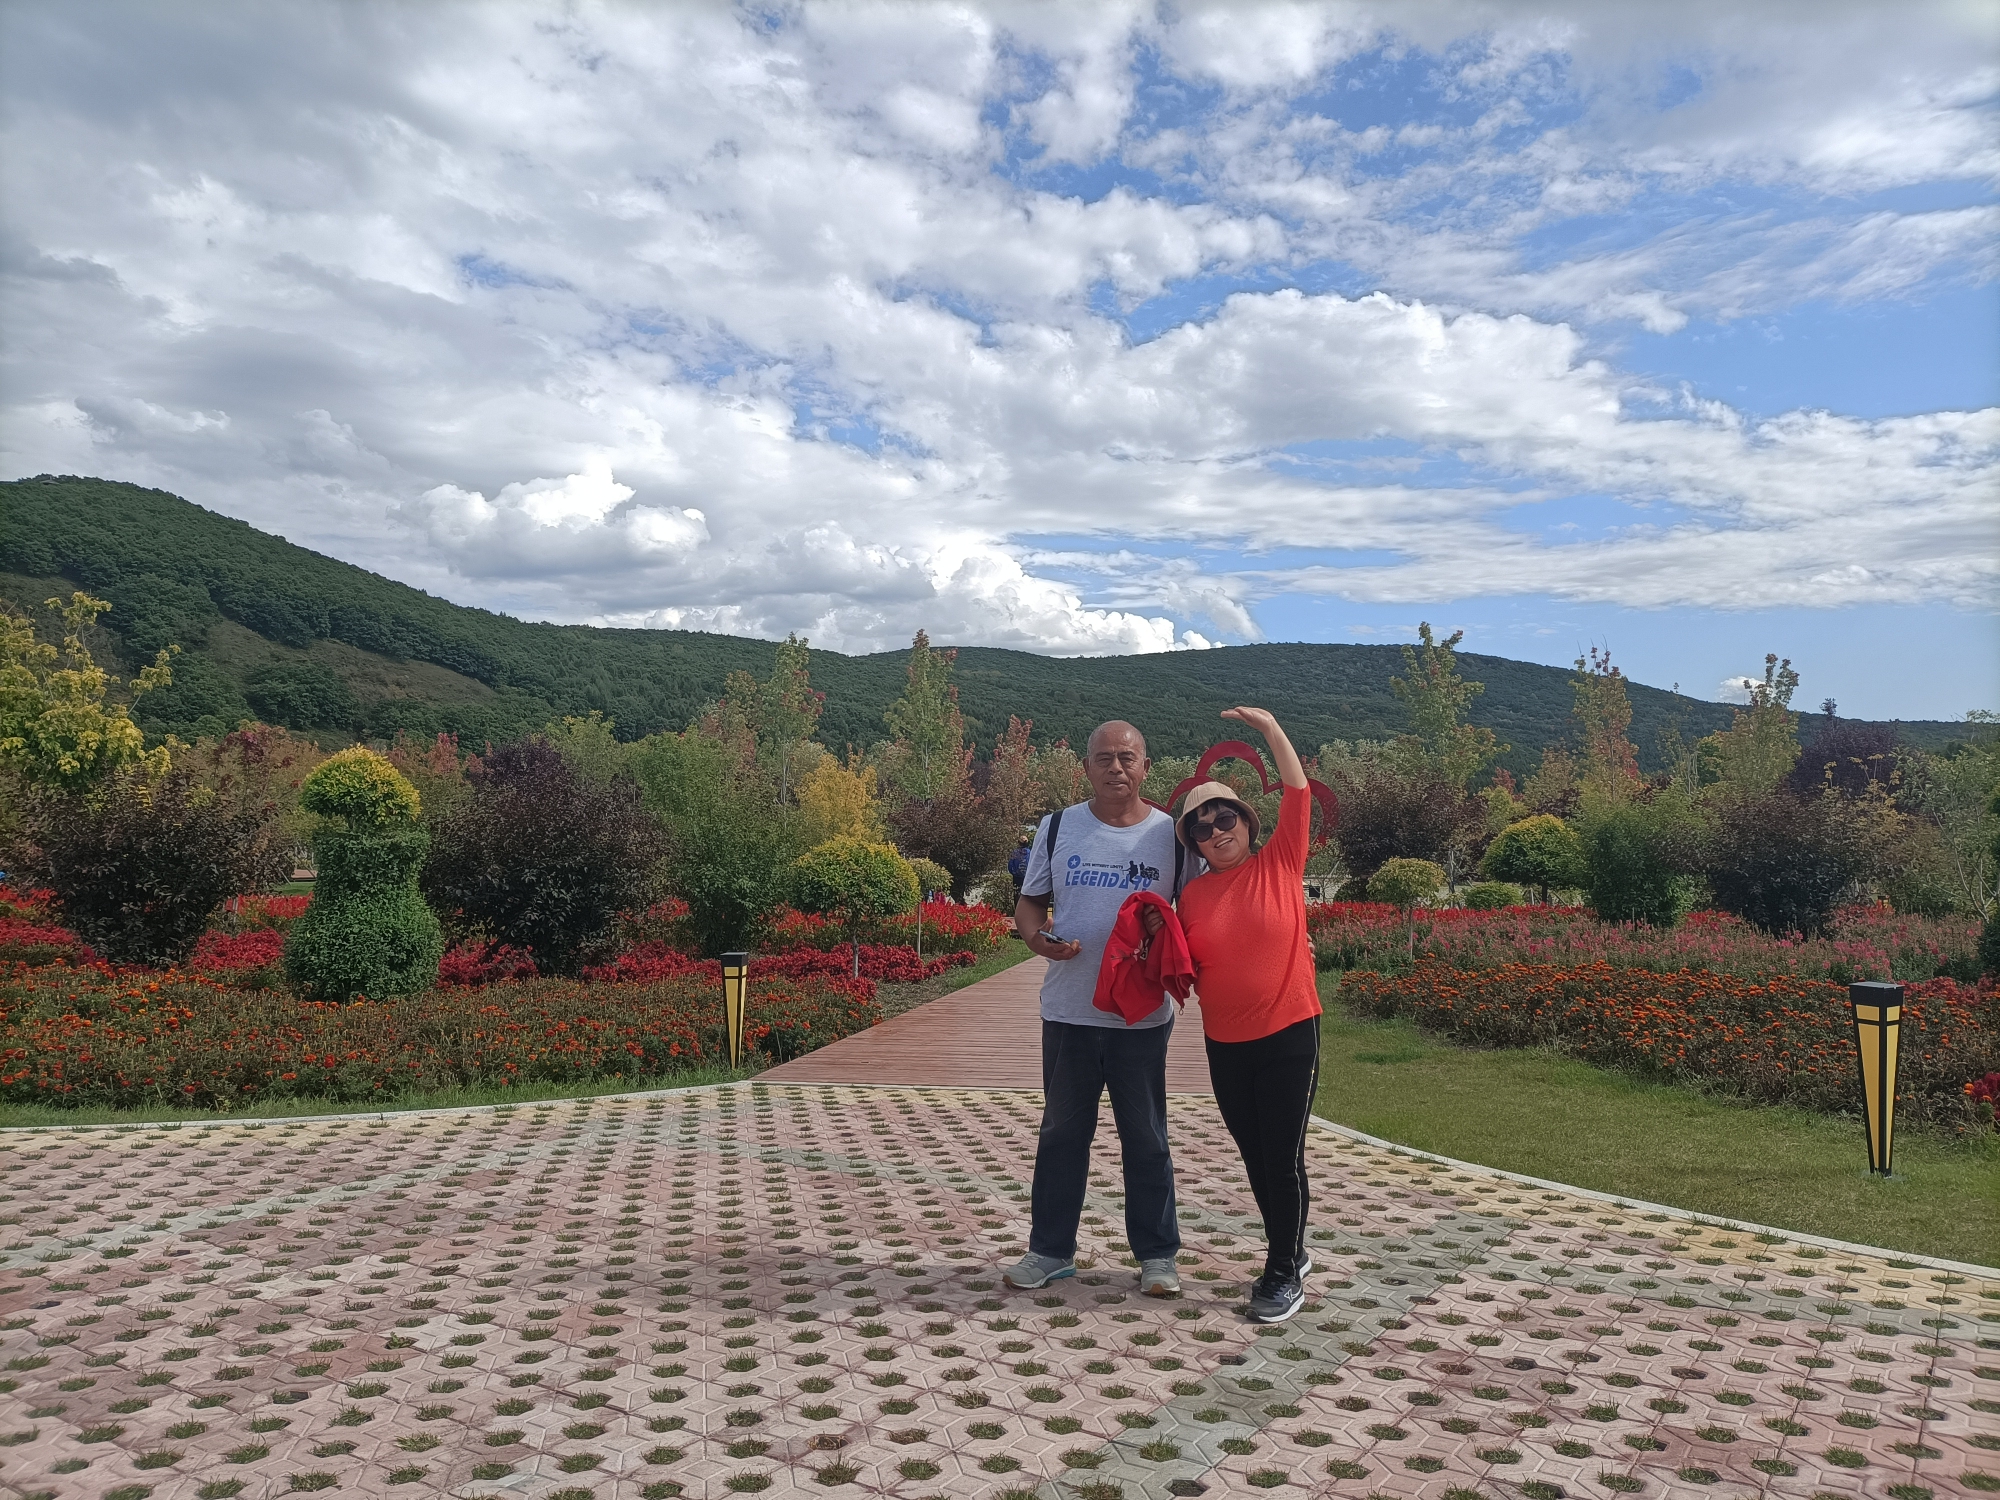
column 735, row 997
column 1878, row 1024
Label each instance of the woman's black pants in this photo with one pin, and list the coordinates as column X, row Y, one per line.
column 1264, row 1089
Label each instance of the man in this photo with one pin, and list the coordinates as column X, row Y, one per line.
column 1105, row 849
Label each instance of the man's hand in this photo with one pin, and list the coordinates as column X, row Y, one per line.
column 1152, row 920
column 1046, row 944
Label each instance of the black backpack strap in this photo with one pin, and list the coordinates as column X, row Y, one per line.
column 1055, row 826
column 1180, row 860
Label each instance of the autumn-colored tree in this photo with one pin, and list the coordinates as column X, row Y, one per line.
column 935, row 812
column 1013, row 793
column 837, row 801
column 1603, row 716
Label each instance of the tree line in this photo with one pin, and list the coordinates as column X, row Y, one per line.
column 544, row 838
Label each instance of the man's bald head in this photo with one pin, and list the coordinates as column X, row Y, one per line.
column 1115, row 731
column 1116, row 765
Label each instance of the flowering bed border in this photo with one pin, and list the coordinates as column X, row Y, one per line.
column 100, row 1038
column 1778, row 1040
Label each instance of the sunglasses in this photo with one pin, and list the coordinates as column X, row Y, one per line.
column 1204, row 829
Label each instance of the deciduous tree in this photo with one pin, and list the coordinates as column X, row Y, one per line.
column 61, row 726
column 1542, row 851
column 1437, row 698
column 543, row 857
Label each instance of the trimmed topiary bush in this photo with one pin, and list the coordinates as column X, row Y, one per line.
column 367, row 931
column 854, row 882
column 1542, row 851
column 1491, row 895
column 1406, row 883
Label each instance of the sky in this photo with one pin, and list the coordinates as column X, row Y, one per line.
column 1079, row 329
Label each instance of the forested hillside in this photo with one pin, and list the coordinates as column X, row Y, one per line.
column 274, row 631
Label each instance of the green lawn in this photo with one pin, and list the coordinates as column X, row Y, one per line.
column 1543, row 1115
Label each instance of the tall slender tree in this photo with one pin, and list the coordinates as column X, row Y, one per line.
column 929, row 730
column 1438, row 699
column 1604, row 718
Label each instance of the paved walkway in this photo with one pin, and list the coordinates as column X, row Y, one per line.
column 987, row 1036
column 790, row 1287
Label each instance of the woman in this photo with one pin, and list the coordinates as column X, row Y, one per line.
column 1245, row 921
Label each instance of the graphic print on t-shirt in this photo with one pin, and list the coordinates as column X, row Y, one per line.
column 1132, row 876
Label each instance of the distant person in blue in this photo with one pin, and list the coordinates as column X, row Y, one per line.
column 1086, row 860
column 1017, row 862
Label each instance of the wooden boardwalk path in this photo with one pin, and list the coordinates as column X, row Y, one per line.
column 985, row 1036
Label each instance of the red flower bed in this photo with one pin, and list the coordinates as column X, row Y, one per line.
column 1780, row 1040
column 887, row 965
column 1866, row 942
column 24, row 942
column 92, row 1037
column 255, row 912
column 254, row 959
column 948, row 928
column 469, row 965
column 30, row 934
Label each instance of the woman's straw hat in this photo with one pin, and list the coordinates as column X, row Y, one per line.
column 1215, row 791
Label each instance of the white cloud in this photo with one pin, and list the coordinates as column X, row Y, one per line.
column 633, row 272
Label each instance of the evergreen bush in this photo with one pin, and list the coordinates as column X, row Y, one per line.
column 1542, row 851
column 1491, row 895
column 367, row 931
column 1638, row 860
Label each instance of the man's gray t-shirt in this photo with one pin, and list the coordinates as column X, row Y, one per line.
column 1096, row 868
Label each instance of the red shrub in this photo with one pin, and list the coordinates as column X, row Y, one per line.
column 469, row 965
column 254, row 959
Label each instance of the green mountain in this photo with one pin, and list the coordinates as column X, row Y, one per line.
column 275, row 631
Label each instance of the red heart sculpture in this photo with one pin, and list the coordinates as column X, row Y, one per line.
column 1329, row 805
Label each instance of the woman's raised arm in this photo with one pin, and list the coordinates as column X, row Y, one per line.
column 1290, row 771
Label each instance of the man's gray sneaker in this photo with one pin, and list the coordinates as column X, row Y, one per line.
column 1158, row 1278
column 1037, row 1270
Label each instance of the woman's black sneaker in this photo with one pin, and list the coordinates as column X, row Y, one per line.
column 1275, row 1298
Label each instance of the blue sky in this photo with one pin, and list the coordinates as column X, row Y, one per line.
column 1672, row 330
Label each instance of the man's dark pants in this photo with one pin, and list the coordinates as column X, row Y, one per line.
column 1078, row 1064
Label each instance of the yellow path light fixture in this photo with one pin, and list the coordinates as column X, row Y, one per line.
column 1878, row 1024
column 735, row 997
